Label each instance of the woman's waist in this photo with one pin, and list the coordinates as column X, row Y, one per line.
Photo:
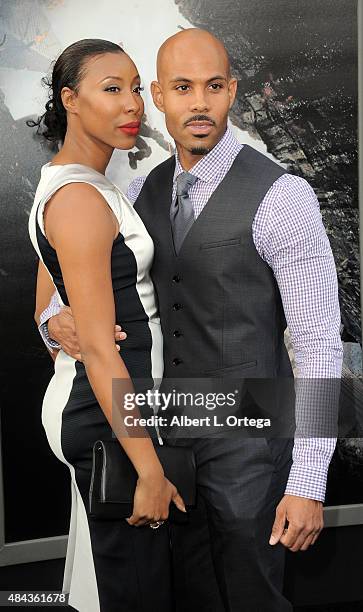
column 140, row 326
column 140, row 336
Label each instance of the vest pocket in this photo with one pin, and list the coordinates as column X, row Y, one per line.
column 220, row 243
column 230, row 370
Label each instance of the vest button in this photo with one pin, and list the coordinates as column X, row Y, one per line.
column 177, row 306
column 177, row 333
column 176, row 278
column 177, row 361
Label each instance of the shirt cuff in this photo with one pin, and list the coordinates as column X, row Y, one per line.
column 51, row 310
column 307, row 481
column 309, row 471
column 49, row 342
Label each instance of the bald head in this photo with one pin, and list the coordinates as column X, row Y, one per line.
column 190, row 46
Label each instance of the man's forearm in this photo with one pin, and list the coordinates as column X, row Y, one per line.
column 51, row 310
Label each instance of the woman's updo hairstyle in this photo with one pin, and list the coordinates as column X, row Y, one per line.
column 67, row 72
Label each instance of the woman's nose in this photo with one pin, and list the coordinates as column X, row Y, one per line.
column 132, row 104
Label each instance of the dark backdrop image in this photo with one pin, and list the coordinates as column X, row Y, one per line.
column 31, row 472
column 296, row 61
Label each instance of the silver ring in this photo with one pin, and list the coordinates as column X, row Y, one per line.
column 156, row 525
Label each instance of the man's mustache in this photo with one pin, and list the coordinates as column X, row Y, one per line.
column 200, row 118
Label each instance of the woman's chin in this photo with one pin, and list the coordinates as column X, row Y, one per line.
column 125, row 146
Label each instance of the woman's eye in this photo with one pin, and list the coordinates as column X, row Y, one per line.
column 113, row 88
column 138, row 89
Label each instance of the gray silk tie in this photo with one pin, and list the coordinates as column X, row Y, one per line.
column 181, row 212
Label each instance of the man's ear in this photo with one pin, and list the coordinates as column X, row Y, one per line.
column 232, row 90
column 157, row 95
column 69, row 99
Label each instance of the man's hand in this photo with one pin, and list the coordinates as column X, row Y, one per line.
column 305, row 522
column 62, row 329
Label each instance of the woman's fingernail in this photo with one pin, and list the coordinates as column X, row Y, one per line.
column 118, row 327
column 122, row 336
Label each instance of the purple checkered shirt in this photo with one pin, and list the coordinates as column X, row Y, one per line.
column 289, row 235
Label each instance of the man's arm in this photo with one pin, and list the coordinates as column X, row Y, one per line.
column 290, row 236
column 58, row 318
column 46, row 305
column 44, row 292
column 56, row 325
column 134, row 188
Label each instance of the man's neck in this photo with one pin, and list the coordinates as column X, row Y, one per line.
column 188, row 159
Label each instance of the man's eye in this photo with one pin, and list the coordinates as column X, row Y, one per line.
column 138, row 89
column 113, row 89
column 216, row 86
column 182, row 87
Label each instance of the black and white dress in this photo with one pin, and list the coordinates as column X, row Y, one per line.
column 110, row 565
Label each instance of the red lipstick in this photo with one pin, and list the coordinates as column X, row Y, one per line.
column 131, row 128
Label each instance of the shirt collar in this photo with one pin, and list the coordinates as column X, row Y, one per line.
column 205, row 169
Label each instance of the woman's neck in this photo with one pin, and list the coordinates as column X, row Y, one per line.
column 92, row 154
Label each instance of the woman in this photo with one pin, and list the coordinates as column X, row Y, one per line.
column 98, row 253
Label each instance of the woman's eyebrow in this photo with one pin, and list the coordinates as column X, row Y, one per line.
column 137, row 76
column 116, row 78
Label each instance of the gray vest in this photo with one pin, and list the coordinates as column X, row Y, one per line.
column 220, row 306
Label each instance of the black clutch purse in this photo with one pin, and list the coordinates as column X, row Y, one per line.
column 114, row 478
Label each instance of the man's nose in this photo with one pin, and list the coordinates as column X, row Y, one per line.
column 199, row 102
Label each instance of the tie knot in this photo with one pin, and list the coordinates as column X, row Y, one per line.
column 184, row 182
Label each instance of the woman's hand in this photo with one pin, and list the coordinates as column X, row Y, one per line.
column 152, row 499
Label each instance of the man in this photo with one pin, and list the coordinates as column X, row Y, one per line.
column 246, row 254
